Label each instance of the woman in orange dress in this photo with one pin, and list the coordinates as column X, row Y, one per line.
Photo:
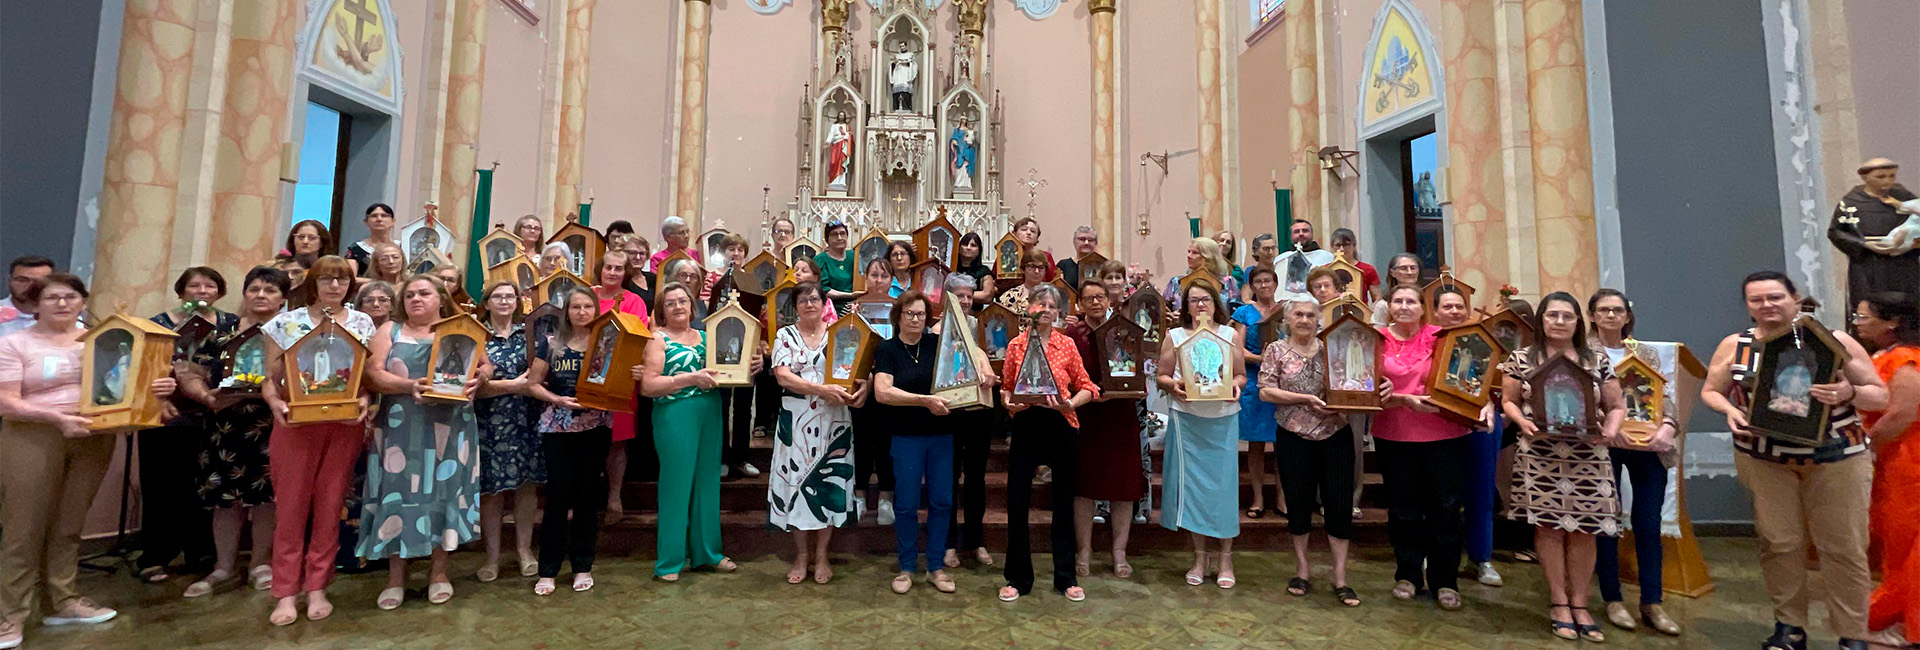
column 1890, row 324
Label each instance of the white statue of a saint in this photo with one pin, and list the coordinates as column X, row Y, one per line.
column 900, row 76
column 839, row 153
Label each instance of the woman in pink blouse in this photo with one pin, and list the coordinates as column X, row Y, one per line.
column 1421, row 455
column 52, row 465
column 611, row 291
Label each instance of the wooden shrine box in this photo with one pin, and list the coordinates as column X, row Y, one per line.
column 459, row 346
column 760, row 274
column 877, row 309
column 1090, row 264
column 803, row 247
column 957, row 375
column 583, row 243
column 995, row 326
column 1683, row 569
column 541, row 324
column 616, row 344
column 323, row 371
column 667, row 263
column 850, row 348
column 1198, row 276
column 122, row 357
column 1562, row 398
column 1033, row 382
column 1006, row 257
column 190, row 334
column 499, row 247
column 1148, row 310
column 872, row 246
column 517, row 270
column 779, row 310
column 930, row 279
column 1512, row 331
column 1344, row 305
column 1272, row 328
column 1785, row 368
column 1464, row 371
column 243, row 364
column 554, row 289
column 423, row 234
column 710, row 243
column 1069, row 299
column 430, row 260
column 1206, row 366
column 1119, row 348
column 1432, row 290
column 1347, row 276
column 732, row 334
column 1351, row 349
column 1643, row 390
column 938, row 240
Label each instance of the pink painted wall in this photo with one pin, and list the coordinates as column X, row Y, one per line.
column 1885, row 58
column 1158, row 67
column 1264, row 154
column 759, row 65
column 1043, row 70
column 1351, row 29
column 511, row 101
column 412, row 24
column 629, row 135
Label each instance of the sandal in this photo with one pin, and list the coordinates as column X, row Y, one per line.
column 797, row 574
column 439, row 593
column 1526, row 557
column 1195, row 579
column 1567, row 630
column 1123, row 571
column 529, row 568
column 543, row 587
column 1075, row 594
column 318, row 607
column 941, row 581
column 261, row 576
column 726, row 565
column 154, row 575
column 1347, row 596
column 282, row 617
column 902, row 583
column 1255, row 512
column 982, row 556
column 1588, row 631
column 1449, row 599
column 1224, row 580
column 488, row 573
column 822, row 572
column 390, row 598
column 582, row 582
column 1009, row 594
column 1404, row 590
column 1299, row 586
column 216, row 581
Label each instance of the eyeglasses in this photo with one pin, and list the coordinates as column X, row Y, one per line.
column 1035, row 267
column 1560, row 318
column 1610, row 311
column 807, row 298
column 371, row 300
column 330, row 280
column 913, row 314
column 62, row 299
column 1858, row 317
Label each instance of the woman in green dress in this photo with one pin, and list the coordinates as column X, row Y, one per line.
column 686, row 433
column 423, row 464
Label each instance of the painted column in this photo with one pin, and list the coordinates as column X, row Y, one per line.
column 1838, row 151
column 1212, row 115
column 1516, row 145
column 246, row 201
column 1475, row 186
column 142, row 172
column 466, row 65
column 1105, row 126
column 573, row 110
column 1303, row 112
column 200, row 140
column 691, row 159
column 1568, row 253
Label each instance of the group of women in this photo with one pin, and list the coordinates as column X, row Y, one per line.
column 431, row 475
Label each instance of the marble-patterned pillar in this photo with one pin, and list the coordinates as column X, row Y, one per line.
column 1568, row 251
column 1213, row 163
column 691, row 158
column 142, row 175
column 573, row 110
column 1303, row 112
column 200, row 140
column 246, row 202
column 1516, row 145
column 460, row 126
column 1105, row 125
column 1837, row 113
column 1475, row 185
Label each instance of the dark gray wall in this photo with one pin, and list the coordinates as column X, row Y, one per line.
column 46, row 88
column 1699, row 198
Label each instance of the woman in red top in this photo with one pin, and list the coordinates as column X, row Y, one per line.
column 1044, row 436
column 1421, row 455
column 1890, row 324
column 611, row 291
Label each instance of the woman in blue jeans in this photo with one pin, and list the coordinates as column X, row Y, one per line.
column 1646, row 468
column 922, row 443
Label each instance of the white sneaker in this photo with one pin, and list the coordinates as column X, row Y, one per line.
column 749, row 470
column 884, row 516
column 1490, row 577
column 859, row 508
column 11, row 635
column 82, row 612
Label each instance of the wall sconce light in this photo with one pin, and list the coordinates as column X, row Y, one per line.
column 1331, row 158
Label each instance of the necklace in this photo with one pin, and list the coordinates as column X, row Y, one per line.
column 913, row 349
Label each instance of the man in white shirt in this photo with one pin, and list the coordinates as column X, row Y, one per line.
column 20, row 275
column 1294, row 265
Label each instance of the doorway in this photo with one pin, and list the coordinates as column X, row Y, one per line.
column 1400, row 196
column 319, row 193
column 1425, row 228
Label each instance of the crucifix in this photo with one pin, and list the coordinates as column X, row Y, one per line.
column 898, row 212
column 1033, row 183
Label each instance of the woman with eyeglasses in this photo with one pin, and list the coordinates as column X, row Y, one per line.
column 553, row 258
column 311, row 464
column 1048, row 434
column 1034, row 265
column 1256, row 414
column 922, row 445
column 973, row 433
column 900, row 261
column 376, row 301
column 1108, row 455
column 1420, row 454
column 532, row 234
column 1644, row 465
column 810, row 487
column 512, row 463
column 1403, row 268
column 686, row 432
column 1313, row 446
column 1202, row 253
column 1890, row 324
column 610, row 289
column 1201, row 482
column 574, row 440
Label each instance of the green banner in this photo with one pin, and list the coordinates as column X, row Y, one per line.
column 1193, row 226
column 1282, row 212
column 481, row 224
column 586, row 214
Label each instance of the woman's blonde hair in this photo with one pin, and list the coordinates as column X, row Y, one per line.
column 1210, row 256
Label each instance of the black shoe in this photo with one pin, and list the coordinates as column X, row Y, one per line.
column 1852, row 644
column 1785, row 637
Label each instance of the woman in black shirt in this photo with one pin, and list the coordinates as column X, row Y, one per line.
column 922, row 446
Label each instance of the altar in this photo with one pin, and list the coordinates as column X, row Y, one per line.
column 891, row 138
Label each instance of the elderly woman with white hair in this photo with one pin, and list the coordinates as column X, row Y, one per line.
column 554, row 257
column 674, row 235
column 1044, row 434
column 972, row 440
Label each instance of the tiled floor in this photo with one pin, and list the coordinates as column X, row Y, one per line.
column 755, row 608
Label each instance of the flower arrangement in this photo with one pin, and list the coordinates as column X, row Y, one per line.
column 1508, row 291
column 243, row 382
column 191, row 306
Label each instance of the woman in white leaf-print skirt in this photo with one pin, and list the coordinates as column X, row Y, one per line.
column 810, row 491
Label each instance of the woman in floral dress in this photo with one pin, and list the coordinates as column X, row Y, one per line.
column 811, row 489
column 510, row 456
column 423, row 468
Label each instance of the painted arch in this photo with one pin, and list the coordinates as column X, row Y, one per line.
column 349, row 47
column 1403, row 79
